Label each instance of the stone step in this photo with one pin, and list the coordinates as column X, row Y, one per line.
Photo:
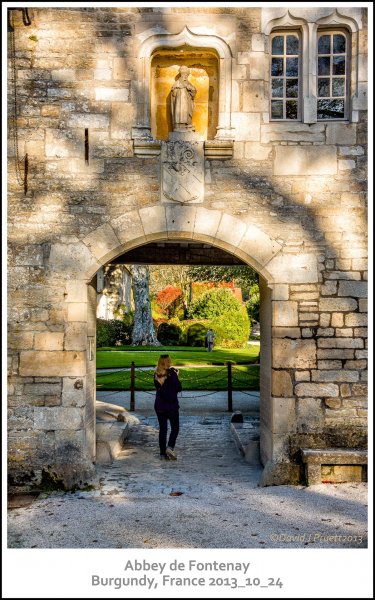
column 246, row 438
column 110, row 439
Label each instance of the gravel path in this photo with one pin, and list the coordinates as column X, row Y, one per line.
column 220, row 504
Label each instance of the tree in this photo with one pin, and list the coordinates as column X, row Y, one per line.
column 143, row 330
column 168, row 299
column 242, row 275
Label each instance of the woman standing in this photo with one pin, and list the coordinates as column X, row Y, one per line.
column 166, row 405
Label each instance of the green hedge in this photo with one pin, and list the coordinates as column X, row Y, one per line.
column 169, row 334
column 113, row 332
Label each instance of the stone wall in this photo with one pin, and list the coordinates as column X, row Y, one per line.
column 290, row 201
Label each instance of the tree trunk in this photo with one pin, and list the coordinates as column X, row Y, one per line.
column 143, row 330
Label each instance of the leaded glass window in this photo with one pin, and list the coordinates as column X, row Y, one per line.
column 332, row 71
column 285, row 76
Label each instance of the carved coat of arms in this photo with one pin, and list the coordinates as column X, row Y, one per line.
column 182, row 176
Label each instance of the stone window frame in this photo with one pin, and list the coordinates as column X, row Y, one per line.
column 286, row 32
column 186, row 37
column 309, row 33
column 332, row 31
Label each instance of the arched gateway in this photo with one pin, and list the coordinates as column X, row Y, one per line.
column 271, row 167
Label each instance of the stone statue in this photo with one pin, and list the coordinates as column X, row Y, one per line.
column 182, row 101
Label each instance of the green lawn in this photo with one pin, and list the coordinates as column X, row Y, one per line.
column 192, row 378
column 122, row 356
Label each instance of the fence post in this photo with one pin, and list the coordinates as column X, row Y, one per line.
column 132, row 386
column 229, row 366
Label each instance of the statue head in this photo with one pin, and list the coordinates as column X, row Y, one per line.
column 184, row 72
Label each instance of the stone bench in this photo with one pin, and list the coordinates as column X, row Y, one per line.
column 313, row 460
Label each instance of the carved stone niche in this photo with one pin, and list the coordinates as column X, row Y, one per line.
column 210, row 62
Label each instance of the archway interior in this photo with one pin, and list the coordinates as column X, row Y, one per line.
column 193, row 252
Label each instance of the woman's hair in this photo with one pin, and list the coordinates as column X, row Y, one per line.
column 164, row 363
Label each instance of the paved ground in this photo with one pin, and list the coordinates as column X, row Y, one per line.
column 219, row 506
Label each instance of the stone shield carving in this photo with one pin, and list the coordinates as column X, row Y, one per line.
column 182, row 172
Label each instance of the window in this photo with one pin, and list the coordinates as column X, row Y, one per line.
column 285, row 76
column 332, row 71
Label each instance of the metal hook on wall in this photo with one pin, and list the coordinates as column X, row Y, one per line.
column 25, row 18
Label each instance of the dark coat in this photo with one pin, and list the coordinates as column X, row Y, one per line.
column 166, row 394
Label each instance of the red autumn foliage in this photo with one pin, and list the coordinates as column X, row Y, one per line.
column 168, row 297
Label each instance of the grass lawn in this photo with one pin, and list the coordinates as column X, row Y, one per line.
column 192, row 378
column 122, row 356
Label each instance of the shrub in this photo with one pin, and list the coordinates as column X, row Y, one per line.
column 215, row 303
column 169, row 334
column 195, row 335
column 225, row 315
column 114, row 332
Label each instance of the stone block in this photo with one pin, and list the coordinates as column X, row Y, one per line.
column 75, row 336
column 77, row 311
column 63, row 74
column 289, row 332
column 292, row 132
column 358, row 289
column 180, row 218
column 128, row 226
column 206, row 222
column 72, row 259
column 73, row 392
column 255, row 151
column 124, row 69
column 257, row 42
column 341, row 134
column 253, row 96
column 108, row 94
column 337, row 304
column 335, row 375
column 285, row 313
column 29, row 255
column 302, row 376
column 259, row 66
column 243, row 58
column 58, row 418
column 153, row 219
column 89, row 120
column 359, row 389
column 102, row 242
column 247, row 126
column 103, row 74
column 297, row 160
column 340, row 343
column 75, row 291
column 294, row 354
column 317, row 390
column 332, row 403
column 122, row 120
column 337, row 320
column 346, row 165
column 283, row 415
column 49, row 341
column 310, row 416
column 23, row 340
column 280, row 291
column 257, row 244
column 334, row 353
column 231, row 230
column 281, row 384
column 42, row 389
column 53, row 363
column 290, row 268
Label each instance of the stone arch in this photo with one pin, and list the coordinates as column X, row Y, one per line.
column 255, row 247
column 154, row 41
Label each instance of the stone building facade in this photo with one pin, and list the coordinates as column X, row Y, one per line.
column 278, row 179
